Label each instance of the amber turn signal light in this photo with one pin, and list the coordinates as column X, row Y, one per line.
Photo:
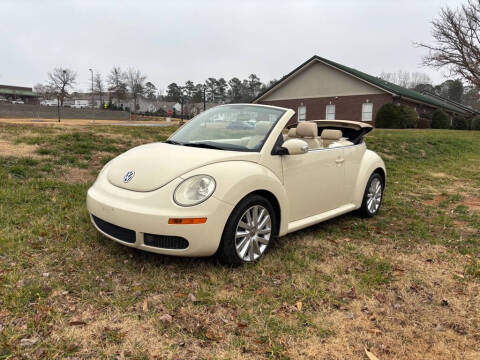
column 185, row 221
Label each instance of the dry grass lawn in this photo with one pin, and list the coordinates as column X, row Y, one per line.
column 404, row 285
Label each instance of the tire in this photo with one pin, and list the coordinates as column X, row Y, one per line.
column 241, row 233
column 371, row 190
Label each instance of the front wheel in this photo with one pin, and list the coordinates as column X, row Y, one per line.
column 372, row 199
column 249, row 231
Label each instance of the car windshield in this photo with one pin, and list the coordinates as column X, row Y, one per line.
column 229, row 127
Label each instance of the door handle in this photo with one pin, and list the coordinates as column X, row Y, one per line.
column 339, row 161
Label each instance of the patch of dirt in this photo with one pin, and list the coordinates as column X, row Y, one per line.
column 82, row 122
column 18, row 150
column 435, row 201
column 77, row 176
column 425, row 310
column 473, row 203
column 441, row 175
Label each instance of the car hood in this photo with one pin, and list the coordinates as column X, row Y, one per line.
column 149, row 167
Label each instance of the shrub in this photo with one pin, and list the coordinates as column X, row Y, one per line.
column 440, row 120
column 423, row 123
column 389, row 116
column 460, row 123
column 393, row 116
column 475, row 125
column 410, row 116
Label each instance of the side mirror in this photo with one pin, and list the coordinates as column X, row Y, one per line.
column 295, row 146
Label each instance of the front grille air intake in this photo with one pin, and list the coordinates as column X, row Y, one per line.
column 115, row 231
column 165, row 242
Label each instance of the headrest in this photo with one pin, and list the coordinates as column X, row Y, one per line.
column 292, row 132
column 330, row 134
column 307, row 129
column 262, row 127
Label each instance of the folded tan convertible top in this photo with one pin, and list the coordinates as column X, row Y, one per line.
column 357, row 125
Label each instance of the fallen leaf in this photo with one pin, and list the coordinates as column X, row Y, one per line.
column 242, row 324
column 166, row 318
column 77, row 323
column 145, row 305
column 370, row 355
column 374, row 331
column 210, row 335
column 299, row 306
column 261, row 291
column 192, row 297
column 28, row 342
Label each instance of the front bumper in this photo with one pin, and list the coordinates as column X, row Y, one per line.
column 144, row 214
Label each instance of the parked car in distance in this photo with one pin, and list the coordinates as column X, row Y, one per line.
column 213, row 188
column 18, row 101
column 49, row 102
column 80, row 104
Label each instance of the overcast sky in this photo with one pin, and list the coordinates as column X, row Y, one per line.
column 175, row 41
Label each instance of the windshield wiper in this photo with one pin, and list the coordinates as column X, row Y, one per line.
column 203, row 145
column 173, row 142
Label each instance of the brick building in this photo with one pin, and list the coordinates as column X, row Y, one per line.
column 322, row 89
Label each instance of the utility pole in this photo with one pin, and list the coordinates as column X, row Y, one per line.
column 93, row 105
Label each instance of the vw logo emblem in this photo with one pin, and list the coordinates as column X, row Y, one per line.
column 128, row 176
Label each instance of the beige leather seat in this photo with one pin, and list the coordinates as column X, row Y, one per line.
column 292, row 134
column 308, row 132
column 330, row 136
column 261, row 130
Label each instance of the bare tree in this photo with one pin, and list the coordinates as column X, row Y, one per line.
column 406, row 79
column 135, row 85
column 116, row 81
column 457, row 42
column 418, row 78
column 43, row 90
column 99, row 87
column 60, row 81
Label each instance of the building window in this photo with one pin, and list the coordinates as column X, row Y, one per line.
column 330, row 112
column 367, row 111
column 302, row 113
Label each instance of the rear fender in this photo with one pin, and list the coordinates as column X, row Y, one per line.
column 370, row 162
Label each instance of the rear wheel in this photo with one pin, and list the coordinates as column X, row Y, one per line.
column 249, row 231
column 372, row 199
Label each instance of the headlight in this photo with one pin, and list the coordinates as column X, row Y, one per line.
column 194, row 190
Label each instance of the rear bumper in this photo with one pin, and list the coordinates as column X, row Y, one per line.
column 133, row 217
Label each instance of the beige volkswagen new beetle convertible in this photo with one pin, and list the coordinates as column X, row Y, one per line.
column 232, row 180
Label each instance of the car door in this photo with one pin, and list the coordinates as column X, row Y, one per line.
column 314, row 181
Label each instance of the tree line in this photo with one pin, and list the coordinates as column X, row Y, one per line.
column 454, row 90
column 132, row 84
column 218, row 90
column 118, row 84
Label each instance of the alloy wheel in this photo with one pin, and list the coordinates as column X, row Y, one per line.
column 253, row 233
column 374, row 195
